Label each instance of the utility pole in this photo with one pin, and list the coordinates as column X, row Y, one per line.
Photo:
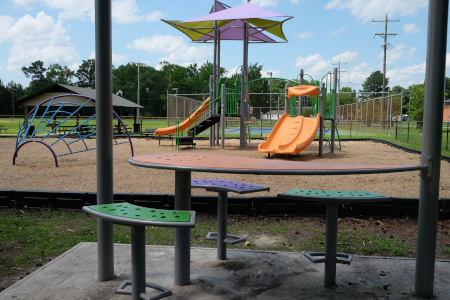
column 339, row 79
column 138, row 64
column 386, row 44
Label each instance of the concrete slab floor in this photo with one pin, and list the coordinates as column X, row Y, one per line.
column 245, row 275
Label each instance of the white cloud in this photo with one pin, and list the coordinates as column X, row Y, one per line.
column 367, row 10
column 405, row 76
column 411, row 28
column 154, row 16
column 355, row 76
column 447, row 60
column 126, row 11
column 316, row 66
column 117, row 59
column 34, row 39
column 294, row 1
column 305, row 35
column 179, row 52
column 344, row 57
column 303, row 62
column 123, row 11
column 275, row 73
column 399, row 52
column 234, row 70
column 70, row 9
column 338, row 31
column 263, row 3
column 158, row 43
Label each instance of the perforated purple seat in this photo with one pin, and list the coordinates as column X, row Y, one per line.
column 223, row 187
column 228, row 186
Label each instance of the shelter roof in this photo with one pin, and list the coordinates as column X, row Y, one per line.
column 230, row 22
column 117, row 101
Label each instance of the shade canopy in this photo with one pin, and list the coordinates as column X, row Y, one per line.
column 230, row 22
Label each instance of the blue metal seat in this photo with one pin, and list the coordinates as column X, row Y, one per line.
column 223, row 187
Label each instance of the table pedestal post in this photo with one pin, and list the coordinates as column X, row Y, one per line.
column 137, row 261
column 222, row 212
column 331, row 244
column 182, row 271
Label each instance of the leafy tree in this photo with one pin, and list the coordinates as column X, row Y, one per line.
column 347, row 95
column 36, row 71
column 59, row 74
column 417, row 101
column 38, row 79
column 447, row 88
column 86, row 74
column 9, row 94
column 373, row 85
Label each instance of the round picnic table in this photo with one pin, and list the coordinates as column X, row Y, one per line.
column 184, row 164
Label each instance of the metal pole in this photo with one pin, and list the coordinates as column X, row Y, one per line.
column 103, row 81
column 222, row 118
column 167, row 108
column 278, row 109
column 322, row 112
column 182, row 271
column 401, row 113
column 300, row 100
column 243, row 86
column 431, row 147
column 222, row 212
column 331, row 244
column 333, row 121
column 211, row 106
column 211, row 97
column 217, row 83
column 286, row 99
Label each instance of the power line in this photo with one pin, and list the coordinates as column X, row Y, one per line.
column 386, row 45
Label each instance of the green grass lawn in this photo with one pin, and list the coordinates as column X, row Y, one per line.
column 30, row 237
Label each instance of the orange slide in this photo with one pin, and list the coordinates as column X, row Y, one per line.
column 186, row 123
column 291, row 135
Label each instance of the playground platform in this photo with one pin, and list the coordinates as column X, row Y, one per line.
column 245, row 275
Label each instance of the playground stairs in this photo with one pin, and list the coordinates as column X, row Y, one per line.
column 205, row 124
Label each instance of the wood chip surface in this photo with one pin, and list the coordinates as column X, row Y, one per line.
column 35, row 169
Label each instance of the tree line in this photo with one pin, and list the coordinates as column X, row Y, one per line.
column 192, row 79
column 153, row 83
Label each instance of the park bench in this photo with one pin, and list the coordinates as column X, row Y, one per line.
column 223, row 187
column 138, row 218
column 149, row 132
column 332, row 199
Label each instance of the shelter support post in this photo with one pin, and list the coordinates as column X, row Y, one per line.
column 103, row 79
column 431, row 147
column 222, row 117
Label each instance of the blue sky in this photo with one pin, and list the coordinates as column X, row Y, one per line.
column 321, row 34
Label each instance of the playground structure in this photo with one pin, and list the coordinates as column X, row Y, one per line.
column 206, row 116
column 50, row 119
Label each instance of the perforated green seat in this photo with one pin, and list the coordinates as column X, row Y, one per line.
column 332, row 199
column 138, row 217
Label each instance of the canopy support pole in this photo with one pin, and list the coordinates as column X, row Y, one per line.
column 431, row 147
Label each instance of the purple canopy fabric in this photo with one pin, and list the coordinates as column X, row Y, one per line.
column 243, row 11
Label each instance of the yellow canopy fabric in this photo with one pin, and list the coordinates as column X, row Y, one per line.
column 274, row 27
